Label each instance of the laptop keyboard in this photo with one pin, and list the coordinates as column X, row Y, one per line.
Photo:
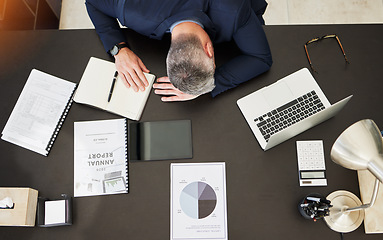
column 288, row 114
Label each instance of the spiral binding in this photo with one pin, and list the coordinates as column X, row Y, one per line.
column 60, row 122
column 126, row 156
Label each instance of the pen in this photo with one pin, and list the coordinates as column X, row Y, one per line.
column 112, row 87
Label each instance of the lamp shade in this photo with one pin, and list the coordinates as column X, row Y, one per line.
column 360, row 147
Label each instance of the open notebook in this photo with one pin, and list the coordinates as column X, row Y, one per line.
column 95, row 85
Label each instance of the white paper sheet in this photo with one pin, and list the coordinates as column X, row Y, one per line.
column 54, row 212
column 198, row 201
column 38, row 111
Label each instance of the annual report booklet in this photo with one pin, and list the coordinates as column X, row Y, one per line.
column 39, row 112
column 100, row 157
column 96, row 84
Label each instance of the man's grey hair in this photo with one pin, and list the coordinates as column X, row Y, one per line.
column 189, row 68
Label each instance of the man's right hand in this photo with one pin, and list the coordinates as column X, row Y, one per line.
column 131, row 69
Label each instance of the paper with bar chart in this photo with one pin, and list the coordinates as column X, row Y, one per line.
column 198, row 201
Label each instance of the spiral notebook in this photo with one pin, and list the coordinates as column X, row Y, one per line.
column 39, row 112
column 100, row 157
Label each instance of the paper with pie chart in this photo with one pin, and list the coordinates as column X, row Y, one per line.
column 198, row 201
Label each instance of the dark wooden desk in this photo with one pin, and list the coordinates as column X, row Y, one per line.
column 262, row 187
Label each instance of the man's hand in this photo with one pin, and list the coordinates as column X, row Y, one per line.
column 131, row 68
column 164, row 87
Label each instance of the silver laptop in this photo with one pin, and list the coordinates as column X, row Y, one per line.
column 286, row 108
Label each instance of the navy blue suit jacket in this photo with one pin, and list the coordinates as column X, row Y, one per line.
column 223, row 20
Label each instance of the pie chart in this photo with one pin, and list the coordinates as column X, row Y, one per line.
column 198, row 200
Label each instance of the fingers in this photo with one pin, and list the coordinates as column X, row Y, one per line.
column 171, row 99
column 123, row 78
column 128, row 81
column 163, row 83
column 163, row 86
column 142, row 79
column 163, row 79
column 166, row 92
column 135, row 81
column 134, row 78
column 139, row 77
column 142, row 66
column 178, row 98
column 131, row 69
column 166, row 88
column 172, row 94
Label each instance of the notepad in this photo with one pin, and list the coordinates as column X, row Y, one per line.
column 95, row 85
column 55, row 212
column 39, row 112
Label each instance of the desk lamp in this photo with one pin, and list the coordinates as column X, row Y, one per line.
column 359, row 147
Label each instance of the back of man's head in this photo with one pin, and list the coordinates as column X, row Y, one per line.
column 189, row 68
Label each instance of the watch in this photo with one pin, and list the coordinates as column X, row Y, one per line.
column 116, row 48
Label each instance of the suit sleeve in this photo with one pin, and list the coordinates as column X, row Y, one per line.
column 104, row 19
column 254, row 60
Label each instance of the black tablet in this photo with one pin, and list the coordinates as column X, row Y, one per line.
column 160, row 140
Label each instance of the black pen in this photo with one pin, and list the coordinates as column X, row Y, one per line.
column 112, row 87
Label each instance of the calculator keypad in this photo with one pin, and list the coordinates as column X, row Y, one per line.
column 310, row 155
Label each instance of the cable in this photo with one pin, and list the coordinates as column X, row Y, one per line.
column 341, row 236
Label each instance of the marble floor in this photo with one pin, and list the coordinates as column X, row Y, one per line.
column 279, row 12
column 323, row 12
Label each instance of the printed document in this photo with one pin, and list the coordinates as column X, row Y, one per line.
column 100, row 159
column 198, row 201
column 39, row 112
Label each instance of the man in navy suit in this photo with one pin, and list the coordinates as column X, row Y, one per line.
column 194, row 26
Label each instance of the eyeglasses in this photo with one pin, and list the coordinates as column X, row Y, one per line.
column 317, row 39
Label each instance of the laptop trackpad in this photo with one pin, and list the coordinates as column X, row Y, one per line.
column 278, row 94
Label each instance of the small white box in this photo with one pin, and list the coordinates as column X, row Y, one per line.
column 52, row 213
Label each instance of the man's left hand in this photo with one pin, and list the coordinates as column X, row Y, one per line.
column 164, row 87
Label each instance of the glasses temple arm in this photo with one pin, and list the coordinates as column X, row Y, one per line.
column 308, row 57
column 341, row 47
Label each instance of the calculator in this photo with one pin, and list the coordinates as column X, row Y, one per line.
column 311, row 163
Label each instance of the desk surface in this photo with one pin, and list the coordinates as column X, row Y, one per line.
column 262, row 187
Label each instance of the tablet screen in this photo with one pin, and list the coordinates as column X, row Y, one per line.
column 161, row 140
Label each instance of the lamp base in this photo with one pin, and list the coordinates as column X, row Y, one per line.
column 339, row 219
